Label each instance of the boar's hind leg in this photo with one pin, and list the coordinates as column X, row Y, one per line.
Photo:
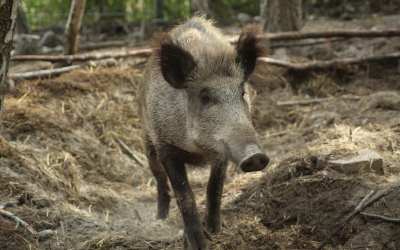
column 214, row 194
column 173, row 160
column 163, row 187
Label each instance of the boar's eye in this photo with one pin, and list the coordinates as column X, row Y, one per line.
column 205, row 98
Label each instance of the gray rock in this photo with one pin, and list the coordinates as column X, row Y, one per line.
column 244, row 17
column 361, row 161
column 50, row 39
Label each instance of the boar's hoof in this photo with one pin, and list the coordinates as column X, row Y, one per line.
column 254, row 160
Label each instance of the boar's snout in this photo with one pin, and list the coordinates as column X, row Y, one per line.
column 254, row 159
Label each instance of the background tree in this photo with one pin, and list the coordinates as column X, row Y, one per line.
column 72, row 27
column 8, row 10
column 22, row 25
column 280, row 15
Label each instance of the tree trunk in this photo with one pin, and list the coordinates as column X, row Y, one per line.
column 280, row 15
column 8, row 10
column 72, row 27
column 22, row 26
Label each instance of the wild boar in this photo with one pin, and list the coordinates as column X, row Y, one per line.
column 195, row 110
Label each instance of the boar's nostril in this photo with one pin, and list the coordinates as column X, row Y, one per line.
column 255, row 162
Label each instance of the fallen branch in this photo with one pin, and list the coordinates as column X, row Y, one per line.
column 84, row 57
column 361, row 206
column 51, row 72
column 129, row 151
column 307, row 43
column 365, row 199
column 286, row 36
column 42, row 73
column 18, row 220
column 380, row 217
column 289, row 103
column 317, row 100
column 328, row 64
column 332, row 33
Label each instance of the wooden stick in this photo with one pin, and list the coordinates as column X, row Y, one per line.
column 8, row 204
column 129, row 151
column 83, row 57
column 365, row 199
column 380, row 217
column 18, row 220
column 336, row 63
column 289, row 103
column 43, row 73
column 307, row 43
column 361, row 206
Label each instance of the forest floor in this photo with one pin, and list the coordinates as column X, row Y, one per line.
column 61, row 162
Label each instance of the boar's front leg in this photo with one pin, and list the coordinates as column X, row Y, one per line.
column 163, row 187
column 214, row 194
column 173, row 160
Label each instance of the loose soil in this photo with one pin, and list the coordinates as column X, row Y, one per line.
column 60, row 161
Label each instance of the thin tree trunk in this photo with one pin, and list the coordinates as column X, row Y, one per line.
column 8, row 10
column 22, row 26
column 72, row 27
column 280, row 15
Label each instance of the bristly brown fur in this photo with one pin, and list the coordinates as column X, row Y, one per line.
column 249, row 48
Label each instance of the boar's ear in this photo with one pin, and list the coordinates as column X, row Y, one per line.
column 249, row 49
column 176, row 63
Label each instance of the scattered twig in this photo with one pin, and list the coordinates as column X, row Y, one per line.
column 83, row 57
column 365, row 199
column 309, row 101
column 380, row 217
column 8, row 204
column 18, row 220
column 361, row 206
column 276, row 228
column 129, row 151
column 45, row 234
column 397, row 147
column 63, row 228
column 328, row 64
